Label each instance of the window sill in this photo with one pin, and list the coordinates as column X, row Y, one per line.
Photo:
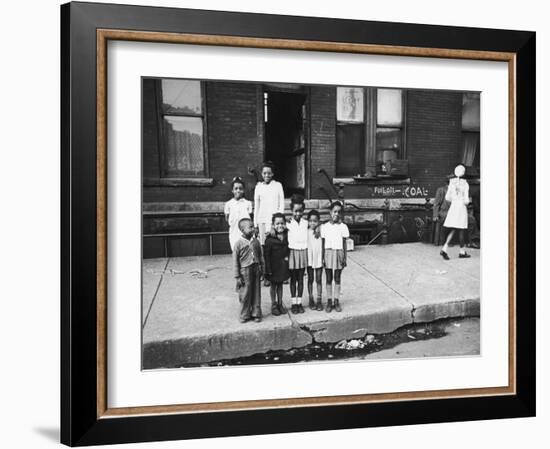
column 373, row 181
column 178, row 182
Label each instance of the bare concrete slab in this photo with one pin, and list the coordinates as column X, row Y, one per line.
column 153, row 271
column 368, row 306
column 436, row 288
column 193, row 318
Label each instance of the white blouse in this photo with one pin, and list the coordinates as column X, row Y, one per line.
column 334, row 234
column 297, row 234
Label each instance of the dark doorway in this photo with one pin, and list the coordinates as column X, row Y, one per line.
column 285, row 118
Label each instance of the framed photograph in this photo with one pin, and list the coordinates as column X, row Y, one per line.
column 273, row 224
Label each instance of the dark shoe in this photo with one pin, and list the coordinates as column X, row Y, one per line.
column 301, row 308
column 275, row 310
column 319, row 305
column 258, row 319
column 444, row 255
column 282, row 309
column 464, row 256
column 244, row 320
column 337, row 306
column 311, row 304
column 294, row 309
column 328, row 309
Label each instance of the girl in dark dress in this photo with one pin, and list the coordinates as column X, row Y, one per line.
column 276, row 262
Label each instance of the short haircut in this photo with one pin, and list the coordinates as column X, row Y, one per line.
column 334, row 204
column 270, row 165
column 237, row 180
column 313, row 213
column 242, row 221
column 296, row 199
column 277, row 215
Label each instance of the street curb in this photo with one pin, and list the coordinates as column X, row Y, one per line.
column 196, row 350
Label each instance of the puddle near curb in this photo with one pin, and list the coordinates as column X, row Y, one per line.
column 345, row 349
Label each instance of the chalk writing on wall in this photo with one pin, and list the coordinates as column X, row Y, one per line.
column 409, row 191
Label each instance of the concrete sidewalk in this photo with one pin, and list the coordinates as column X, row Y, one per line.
column 190, row 308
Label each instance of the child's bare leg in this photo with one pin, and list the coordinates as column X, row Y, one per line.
column 282, row 308
column 300, row 288
column 273, row 295
column 319, row 282
column 337, row 286
column 310, row 279
column 293, row 281
column 328, row 276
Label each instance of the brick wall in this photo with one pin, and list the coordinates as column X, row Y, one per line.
column 434, row 127
column 235, row 142
column 150, row 131
column 235, row 135
column 323, row 137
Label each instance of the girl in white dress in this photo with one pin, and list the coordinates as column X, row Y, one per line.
column 269, row 199
column 236, row 208
column 457, row 216
column 297, row 257
column 314, row 259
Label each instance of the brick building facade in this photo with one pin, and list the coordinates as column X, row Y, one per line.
column 193, row 148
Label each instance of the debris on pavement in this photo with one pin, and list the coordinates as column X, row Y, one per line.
column 349, row 345
column 201, row 274
column 369, row 339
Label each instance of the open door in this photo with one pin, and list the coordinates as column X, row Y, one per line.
column 286, row 138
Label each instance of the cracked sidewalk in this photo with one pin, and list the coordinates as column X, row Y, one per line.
column 190, row 308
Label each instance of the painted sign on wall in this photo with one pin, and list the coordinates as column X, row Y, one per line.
column 409, row 191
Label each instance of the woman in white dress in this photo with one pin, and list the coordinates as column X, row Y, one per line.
column 457, row 216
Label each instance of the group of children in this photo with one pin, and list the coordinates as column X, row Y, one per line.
column 272, row 249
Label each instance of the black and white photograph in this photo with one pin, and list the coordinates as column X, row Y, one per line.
column 299, row 223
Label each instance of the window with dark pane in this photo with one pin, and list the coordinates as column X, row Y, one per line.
column 182, row 122
column 350, row 131
column 350, row 140
column 389, row 125
column 470, row 131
